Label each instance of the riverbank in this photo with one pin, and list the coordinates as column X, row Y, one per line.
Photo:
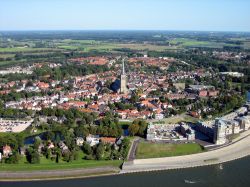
column 239, row 148
column 58, row 174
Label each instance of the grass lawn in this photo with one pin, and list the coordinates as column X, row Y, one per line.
column 47, row 164
column 125, row 123
column 179, row 118
column 187, row 42
column 154, row 150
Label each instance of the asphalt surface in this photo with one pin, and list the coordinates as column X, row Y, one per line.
column 133, row 148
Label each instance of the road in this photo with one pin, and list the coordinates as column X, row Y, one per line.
column 238, row 149
column 132, row 151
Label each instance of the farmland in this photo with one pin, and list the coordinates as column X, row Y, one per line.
column 34, row 48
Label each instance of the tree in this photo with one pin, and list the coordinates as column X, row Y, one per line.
column 75, row 154
column 36, row 143
column 13, row 159
column 33, row 156
column 100, row 151
column 87, row 149
column 134, row 98
column 49, row 135
column 66, row 156
column 141, row 125
column 58, row 154
column 48, row 153
column 133, row 129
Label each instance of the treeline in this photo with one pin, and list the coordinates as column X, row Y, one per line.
column 68, row 70
column 220, row 105
column 16, row 96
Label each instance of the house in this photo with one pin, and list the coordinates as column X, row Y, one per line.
column 40, row 148
column 203, row 93
column 42, row 85
column 64, row 148
column 50, row 145
column 108, row 140
column 7, row 151
column 22, row 151
column 94, row 107
column 159, row 116
column 194, row 114
column 79, row 141
column 213, row 93
column 92, row 139
column 119, row 141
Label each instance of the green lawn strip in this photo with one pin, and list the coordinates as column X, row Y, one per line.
column 51, row 165
column 154, row 150
column 48, row 164
column 180, row 118
column 125, row 123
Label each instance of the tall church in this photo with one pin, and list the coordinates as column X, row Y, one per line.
column 123, row 78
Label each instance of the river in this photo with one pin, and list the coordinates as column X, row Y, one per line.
column 231, row 174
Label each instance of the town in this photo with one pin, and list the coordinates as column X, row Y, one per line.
column 114, row 107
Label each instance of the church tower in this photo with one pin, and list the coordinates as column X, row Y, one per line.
column 123, row 88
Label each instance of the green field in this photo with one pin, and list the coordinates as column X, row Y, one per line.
column 47, row 164
column 88, row 45
column 178, row 119
column 27, row 49
column 186, row 42
column 155, row 150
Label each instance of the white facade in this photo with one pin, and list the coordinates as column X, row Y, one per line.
column 219, row 132
column 92, row 140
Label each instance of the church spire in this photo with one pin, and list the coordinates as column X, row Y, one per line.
column 123, row 84
column 123, row 67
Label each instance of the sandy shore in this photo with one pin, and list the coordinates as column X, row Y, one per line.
column 239, row 148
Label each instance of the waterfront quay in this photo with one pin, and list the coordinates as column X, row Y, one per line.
column 239, row 148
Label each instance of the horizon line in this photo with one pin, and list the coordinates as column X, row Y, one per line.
column 155, row 30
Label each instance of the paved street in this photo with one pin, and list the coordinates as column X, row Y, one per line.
column 132, row 151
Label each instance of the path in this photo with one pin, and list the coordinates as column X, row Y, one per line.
column 132, row 151
column 54, row 174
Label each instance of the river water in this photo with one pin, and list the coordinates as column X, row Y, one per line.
column 231, row 174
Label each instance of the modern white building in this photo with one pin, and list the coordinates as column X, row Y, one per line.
column 220, row 132
column 187, row 132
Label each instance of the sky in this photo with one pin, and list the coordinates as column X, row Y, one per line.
column 195, row 15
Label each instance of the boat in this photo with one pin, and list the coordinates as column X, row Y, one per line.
column 189, row 181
